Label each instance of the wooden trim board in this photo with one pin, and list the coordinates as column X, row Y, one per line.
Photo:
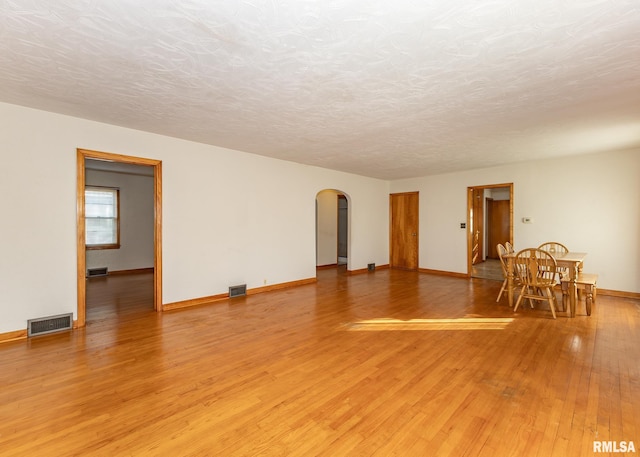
column 225, row 296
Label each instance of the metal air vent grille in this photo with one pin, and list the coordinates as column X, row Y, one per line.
column 238, row 291
column 49, row 324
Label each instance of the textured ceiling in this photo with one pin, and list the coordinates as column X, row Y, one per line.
column 387, row 89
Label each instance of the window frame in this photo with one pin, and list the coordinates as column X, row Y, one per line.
column 116, row 245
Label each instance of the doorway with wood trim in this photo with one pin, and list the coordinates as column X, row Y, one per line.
column 82, row 157
column 403, row 230
column 489, row 222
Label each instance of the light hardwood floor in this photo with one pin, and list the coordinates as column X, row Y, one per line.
column 314, row 370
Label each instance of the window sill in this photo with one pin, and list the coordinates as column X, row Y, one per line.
column 96, row 247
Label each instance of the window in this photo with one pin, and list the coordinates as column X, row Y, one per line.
column 102, row 221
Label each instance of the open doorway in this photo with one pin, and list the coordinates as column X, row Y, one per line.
column 489, row 222
column 114, row 162
column 332, row 229
column 119, row 239
column 343, row 229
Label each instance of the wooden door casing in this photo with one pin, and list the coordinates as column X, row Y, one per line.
column 470, row 216
column 403, row 244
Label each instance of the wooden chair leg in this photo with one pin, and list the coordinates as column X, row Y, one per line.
column 519, row 299
column 502, row 289
column 552, row 298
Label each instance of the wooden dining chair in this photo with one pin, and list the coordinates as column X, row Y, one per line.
column 554, row 248
column 509, row 247
column 536, row 271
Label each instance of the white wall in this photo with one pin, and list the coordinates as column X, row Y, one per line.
column 136, row 222
column 231, row 217
column 228, row 217
column 591, row 203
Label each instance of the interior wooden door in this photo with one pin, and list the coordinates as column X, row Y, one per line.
column 404, row 230
column 497, row 225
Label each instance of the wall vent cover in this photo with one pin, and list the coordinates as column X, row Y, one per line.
column 238, row 291
column 93, row 272
column 49, row 324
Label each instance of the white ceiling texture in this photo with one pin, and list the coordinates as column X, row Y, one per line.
column 388, row 89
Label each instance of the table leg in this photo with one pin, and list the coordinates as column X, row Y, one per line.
column 579, row 293
column 573, row 290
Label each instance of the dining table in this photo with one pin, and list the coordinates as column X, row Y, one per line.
column 572, row 261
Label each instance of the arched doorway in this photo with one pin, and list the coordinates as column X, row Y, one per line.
column 332, row 228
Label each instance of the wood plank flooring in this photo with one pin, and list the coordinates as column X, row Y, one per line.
column 379, row 364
